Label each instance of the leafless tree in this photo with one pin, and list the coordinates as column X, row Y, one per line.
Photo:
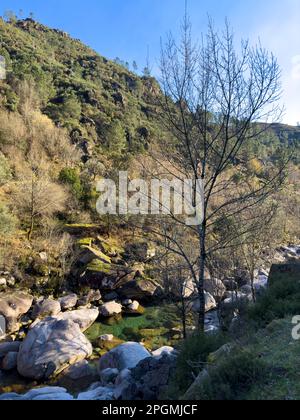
column 213, row 98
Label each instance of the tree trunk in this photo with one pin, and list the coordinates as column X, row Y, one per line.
column 202, row 264
column 30, row 231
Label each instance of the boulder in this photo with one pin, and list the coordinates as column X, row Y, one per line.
column 106, row 337
column 139, row 251
column 93, row 296
column 215, row 287
column 140, row 289
column 170, row 351
column 45, row 308
column 68, row 302
column 10, row 361
column 12, row 306
column 110, row 309
column 96, row 393
column 84, row 318
column 125, row 356
column 50, row 347
column 106, row 276
column 210, row 303
column 40, row 394
column 78, row 376
column 3, row 282
column 149, row 380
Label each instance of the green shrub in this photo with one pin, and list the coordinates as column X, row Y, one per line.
column 193, row 354
column 281, row 299
column 233, row 377
column 71, row 177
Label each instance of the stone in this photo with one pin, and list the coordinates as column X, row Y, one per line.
column 110, row 309
column 45, row 308
column 215, row 287
column 109, row 376
column 3, row 282
column 210, row 303
column 50, row 347
column 97, row 394
column 68, row 302
column 164, row 350
column 85, row 318
column 46, row 393
column 10, row 361
column 140, row 289
column 106, row 337
column 149, row 380
column 78, row 376
column 12, row 306
column 125, row 356
column 111, row 296
column 94, row 296
column 134, row 306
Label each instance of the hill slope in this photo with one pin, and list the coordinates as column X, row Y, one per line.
column 77, row 87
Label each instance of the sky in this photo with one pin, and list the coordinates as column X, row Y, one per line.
column 128, row 29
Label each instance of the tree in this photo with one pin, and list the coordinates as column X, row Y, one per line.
column 219, row 95
column 37, row 197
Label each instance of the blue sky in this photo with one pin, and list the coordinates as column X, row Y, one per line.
column 125, row 28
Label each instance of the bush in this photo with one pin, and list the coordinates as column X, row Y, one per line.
column 233, row 377
column 5, row 172
column 7, row 221
column 281, row 299
column 193, row 354
column 71, row 177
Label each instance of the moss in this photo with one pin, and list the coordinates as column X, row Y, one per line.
column 85, row 242
column 99, row 266
column 98, row 254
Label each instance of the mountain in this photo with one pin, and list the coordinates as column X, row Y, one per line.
column 78, row 88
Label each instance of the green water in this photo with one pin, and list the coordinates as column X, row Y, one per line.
column 154, row 326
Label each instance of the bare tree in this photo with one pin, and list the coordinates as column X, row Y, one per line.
column 37, row 197
column 220, row 95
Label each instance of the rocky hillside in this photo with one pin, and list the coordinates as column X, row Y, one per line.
column 101, row 102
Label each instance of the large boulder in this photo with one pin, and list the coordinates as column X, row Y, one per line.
column 84, row 318
column 45, row 308
column 12, row 306
column 110, row 309
column 50, row 347
column 125, row 356
column 140, row 289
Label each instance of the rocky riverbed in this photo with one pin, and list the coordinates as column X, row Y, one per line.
column 103, row 347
